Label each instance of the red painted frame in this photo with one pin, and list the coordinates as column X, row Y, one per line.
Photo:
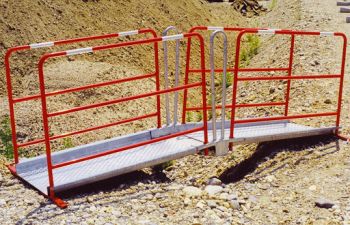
column 12, row 101
column 47, row 115
column 289, row 78
column 190, row 70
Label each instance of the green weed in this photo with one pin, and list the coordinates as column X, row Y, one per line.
column 273, row 4
column 6, row 147
column 251, row 47
column 68, row 143
column 164, row 166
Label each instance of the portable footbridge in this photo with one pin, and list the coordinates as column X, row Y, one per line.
column 61, row 170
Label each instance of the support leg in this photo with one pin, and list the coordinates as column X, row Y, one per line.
column 59, row 202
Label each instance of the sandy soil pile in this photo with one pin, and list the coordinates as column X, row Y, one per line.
column 37, row 21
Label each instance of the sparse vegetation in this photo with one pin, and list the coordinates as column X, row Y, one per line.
column 189, row 117
column 67, row 143
column 164, row 166
column 229, row 79
column 273, row 4
column 250, row 49
column 6, row 147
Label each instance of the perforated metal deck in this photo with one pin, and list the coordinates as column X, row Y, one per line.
column 264, row 131
column 35, row 173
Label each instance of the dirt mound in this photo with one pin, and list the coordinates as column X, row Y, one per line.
column 248, row 7
column 28, row 21
column 35, row 21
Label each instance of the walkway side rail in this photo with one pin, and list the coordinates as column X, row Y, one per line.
column 289, row 78
column 190, row 70
column 12, row 100
column 157, row 93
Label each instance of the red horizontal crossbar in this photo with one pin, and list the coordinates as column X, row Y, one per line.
column 126, row 148
column 37, row 141
column 88, row 130
column 104, row 126
column 76, row 109
column 81, row 88
column 289, row 77
column 286, row 117
column 241, row 70
column 241, row 106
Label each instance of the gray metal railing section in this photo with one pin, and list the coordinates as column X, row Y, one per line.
column 212, row 68
column 166, row 76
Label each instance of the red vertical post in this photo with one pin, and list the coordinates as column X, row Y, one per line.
column 204, row 92
column 341, row 85
column 46, row 126
column 188, row 60
column 290, row 72
column 235, row 82
column 10, row 100
column 156, row 62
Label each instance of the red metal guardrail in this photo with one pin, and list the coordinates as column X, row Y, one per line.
column 236, row 70
column 189, row 70
column 157, row 93
column 12, row 100
column 289, row 78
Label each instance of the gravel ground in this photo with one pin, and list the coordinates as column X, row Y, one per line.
column 301, row 181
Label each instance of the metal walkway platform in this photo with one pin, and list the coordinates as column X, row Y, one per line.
column 66, row 169
column 34, row 170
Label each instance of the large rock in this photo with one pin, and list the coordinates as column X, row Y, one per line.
column 213, row 189
column 214, row 181
column 2, row 202
column 235, row 204
column 192, row 191
column 324, row 203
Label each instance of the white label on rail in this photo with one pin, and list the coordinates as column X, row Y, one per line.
column 128, row 33
column 42, row 45
column 173, row 37
column 216, row 28
column 274, row 29
column 79, row 51
column 326, row 33
column 266, row 31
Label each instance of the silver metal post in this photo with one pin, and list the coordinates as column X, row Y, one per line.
column 177, row 69
column 212, row 68
column 166, row 76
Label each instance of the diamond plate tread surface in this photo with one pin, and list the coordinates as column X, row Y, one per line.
column 273, row 131
column 113, row 165
column 137, row 158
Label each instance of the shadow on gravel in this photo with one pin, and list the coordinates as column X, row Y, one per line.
column 267, row 150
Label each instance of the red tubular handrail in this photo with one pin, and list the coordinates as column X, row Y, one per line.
column 157, row 93
column 97, row 105
column 305, row 77
column 103, row 126
column 289, row 78
column 13, row 101
column 241, row 70
column 59, row 165
column 290, row 72
column 188, row 59
column 81, row 88
column 302, row 116
column 89, row 129
column 268, row 104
